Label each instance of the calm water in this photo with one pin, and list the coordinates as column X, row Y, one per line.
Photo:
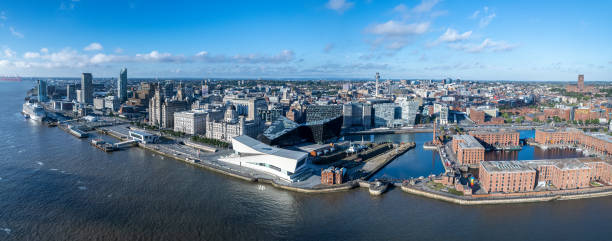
column 55, row 187
column 414, row 163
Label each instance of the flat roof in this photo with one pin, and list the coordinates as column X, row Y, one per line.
column 469, row 142
column 496, row 131
column 600, row 136
column 506, row 166
column 563, row 164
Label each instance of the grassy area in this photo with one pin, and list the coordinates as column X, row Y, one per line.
column 455, row 192
column 208, row 141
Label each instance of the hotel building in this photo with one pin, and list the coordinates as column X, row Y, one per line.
column 468, row 149
column 497, row 138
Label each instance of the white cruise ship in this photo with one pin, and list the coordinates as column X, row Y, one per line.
column 33, row 111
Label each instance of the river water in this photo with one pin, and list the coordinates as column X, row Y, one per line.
column 56, row 187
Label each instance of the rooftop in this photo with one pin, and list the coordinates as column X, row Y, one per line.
column 468, row 142
column 269, row 150
column 506, row 166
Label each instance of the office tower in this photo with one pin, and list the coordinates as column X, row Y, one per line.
column 377, row 78
column 581, row 82
column 87, row 88
column 70, row 92
column 42, row 91
column 122, row 85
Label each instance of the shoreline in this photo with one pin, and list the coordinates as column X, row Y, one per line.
column 362, row 183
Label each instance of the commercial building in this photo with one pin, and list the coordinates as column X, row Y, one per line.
column 285, row 164
column 143, row 137
column 87, row 88
column 162, row 109
column 498, row 138
column 285, row 132
column 98, row 103
column 71, row 92
column 598, row 143
column 332, row 175
column 506, row 176
column 387, row 115
column 122, row 85
column 357, row 115
column 42, row 91
column 192, row 122
column 468, row 150
column 559, row 174
column 111, row 103
column 246, row 106
column 322, row 112
column 231, row 126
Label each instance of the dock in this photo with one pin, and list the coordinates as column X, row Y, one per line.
column 378, row 162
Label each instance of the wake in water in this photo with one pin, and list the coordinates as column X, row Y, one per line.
column 40, row 163
column 83, row 188
column 6, row 230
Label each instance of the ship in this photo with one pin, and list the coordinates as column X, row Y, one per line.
column 33, row 111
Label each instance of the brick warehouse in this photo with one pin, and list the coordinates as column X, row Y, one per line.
column 524, row 176
column 595, row 142
column 468, row 149
column 499, row 138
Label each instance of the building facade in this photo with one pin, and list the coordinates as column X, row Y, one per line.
column 467, row 149
column 191, row 122
column 87, row 88
column 497, row 139
column 122, row 86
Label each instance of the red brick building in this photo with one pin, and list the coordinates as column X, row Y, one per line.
column 467, row 149
column 497, row 138
column 524, row 176
column 506, row 177
column 332, row 175
column 595, row 142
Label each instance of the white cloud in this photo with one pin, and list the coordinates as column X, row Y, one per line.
column 118, row 50
column 15, row 33
column 9, row 53
column 93, row 47
column 425, row 6
column 44, row 50
column 339, row 5
column 451, row 35
column 486, row 18
column 393, row 28
column 475, row 14
column 3, row 15
column 484, row 21
column 201, row 54
column 486, row 45
column 31, row 55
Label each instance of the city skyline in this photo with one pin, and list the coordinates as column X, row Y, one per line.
column 427, row 39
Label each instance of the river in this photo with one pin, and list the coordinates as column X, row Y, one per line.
column 56, row 187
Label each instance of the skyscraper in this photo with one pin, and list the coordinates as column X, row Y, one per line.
column 71, row 92
column 87, row 88
column 581, row 82
column 42, row 91
column 377, row 78
column 122, row 86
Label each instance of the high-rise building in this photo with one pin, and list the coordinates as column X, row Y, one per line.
column 377, row 78
column 87, row 88
column 42, row 91
column 71, row 92
column 122, row 85
column 581, row 82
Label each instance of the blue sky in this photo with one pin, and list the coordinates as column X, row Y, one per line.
column 481, row 40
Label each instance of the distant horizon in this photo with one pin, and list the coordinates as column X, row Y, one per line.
column 299, row 78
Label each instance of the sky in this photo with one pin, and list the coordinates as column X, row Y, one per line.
column 408, row 39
